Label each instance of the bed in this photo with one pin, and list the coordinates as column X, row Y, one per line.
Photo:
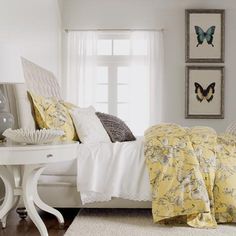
column 188, row 167
column 64, row 179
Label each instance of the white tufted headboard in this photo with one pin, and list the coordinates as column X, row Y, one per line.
column 39, row 81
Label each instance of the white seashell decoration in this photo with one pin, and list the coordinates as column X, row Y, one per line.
column 29, row 136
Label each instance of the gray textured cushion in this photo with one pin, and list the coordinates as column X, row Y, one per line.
column 117, row 130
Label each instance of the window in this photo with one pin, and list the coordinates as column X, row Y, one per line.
column 113, row 73
column 117, row 72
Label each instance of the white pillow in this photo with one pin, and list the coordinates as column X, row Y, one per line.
column 88, row 126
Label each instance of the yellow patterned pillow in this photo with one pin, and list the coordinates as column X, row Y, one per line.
column 51, row 114
column 68, row 105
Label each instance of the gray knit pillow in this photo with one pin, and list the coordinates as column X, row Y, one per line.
column 117, row 130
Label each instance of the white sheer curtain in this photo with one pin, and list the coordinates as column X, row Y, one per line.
column 81, row 67
column 145, row 75
column 146, row 79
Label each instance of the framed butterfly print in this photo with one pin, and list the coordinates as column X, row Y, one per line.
column 205, row 35
column 204, row 92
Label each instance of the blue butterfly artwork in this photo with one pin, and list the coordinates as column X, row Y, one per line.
column 202, row 35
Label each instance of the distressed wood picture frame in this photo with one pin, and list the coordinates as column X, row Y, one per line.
column 204, row 95
column 204, row 35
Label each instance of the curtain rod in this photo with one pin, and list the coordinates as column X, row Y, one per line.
column 67, row 30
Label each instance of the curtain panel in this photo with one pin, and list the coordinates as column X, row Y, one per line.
column 145, row 77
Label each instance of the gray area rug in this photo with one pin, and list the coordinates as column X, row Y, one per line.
column 134, row 222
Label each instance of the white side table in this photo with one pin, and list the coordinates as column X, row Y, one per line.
column 32, row 159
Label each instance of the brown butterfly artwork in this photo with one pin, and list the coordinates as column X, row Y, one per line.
column 204, row 94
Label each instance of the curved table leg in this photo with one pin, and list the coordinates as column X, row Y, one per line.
column 31, row 197
column 9, row 200
column 43, row 206
column 27, row 186
column 4, row 221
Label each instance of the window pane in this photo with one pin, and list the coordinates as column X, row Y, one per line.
column 101, row 107
column 123, row 112
column 123, row 75
column 123, row 93
column 104, row 47
column 101, row 93
column 102, row 74
column 121, row 47
column 139, row 47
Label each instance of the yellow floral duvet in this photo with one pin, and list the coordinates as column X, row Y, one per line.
column 192, row 175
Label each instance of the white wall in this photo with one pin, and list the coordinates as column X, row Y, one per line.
column 170, row 15
column 35, row 26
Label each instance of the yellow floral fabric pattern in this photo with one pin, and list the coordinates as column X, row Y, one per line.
column 187, row 170
column 225, row 180
column 51, row 114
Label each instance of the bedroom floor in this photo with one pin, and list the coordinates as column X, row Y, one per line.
column 18, row 227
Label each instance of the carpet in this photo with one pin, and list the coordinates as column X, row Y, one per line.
column 134, row 222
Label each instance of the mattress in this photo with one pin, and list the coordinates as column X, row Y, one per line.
column 103, row 171
column 108, row 170
column 69, row 168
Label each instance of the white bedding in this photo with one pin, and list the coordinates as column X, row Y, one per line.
column 107, row 170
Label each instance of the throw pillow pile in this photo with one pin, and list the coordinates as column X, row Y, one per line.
column 83, row 124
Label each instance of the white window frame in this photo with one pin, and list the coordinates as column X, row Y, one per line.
column 112, row 62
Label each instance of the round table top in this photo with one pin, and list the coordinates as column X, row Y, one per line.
column 18, row 146
column 22, row 154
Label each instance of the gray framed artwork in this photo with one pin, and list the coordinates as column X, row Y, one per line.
column 204, row 95
column 205, row 35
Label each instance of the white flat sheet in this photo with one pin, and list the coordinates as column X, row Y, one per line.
column 109, row 170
